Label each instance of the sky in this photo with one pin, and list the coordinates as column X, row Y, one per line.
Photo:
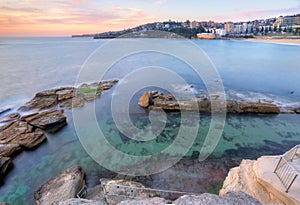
column 67, row 17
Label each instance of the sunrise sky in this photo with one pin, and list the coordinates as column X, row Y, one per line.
column 67, row 17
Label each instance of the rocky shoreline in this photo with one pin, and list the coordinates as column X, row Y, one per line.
column 155, row 99
column 43, row 114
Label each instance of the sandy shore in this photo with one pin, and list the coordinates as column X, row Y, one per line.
column 279, row 40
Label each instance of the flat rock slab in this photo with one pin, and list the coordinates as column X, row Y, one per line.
column 40, row 102
column 5, row 162
column 7, row 150
column 51, row 120
column 10, row 117
column 72, row 103
column 30, row 140
column 64, row 186
column 11, row 131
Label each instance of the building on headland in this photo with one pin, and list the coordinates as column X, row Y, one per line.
column 194, row 24
column 291, row 20
column 220, row 32
column 229, row 27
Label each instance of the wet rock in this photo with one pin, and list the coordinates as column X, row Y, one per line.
column 150, row 201
column 50, row 121
column 11, row 131
column 236, row 198
column 30, row 140
column 40, row 101
column 106, row 85
column 10, row 117
column 65, row 93
column 297, row 111
column 5, row 162
column 46, row 93
column 72, row 103
column 8, row 150
column 96, row 193
column 64, row 186
column 3, row 203
column 3, row 110
column 145, row 100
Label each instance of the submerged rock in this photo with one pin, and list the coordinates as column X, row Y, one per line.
column 51, row 120
column 64, row 186
column 5, row 162
column 3, row 110
column 10, row 117
column 7, row 150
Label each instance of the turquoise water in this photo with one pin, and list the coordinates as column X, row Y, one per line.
column 249, row 71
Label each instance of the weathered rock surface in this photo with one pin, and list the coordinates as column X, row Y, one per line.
column 119, row 190
column 30, row 140
column 5, row 162
column 145, row 99
column 202, row 104
column 256, row 178
column 7, row 150
column 41, row 101
column 233, row 198
column 72, row 103
column 96, row 194
column 80, row 202
column 150, row 201
column 10, row 117
column 51, row 120
column 11, row 131
column 62, row 187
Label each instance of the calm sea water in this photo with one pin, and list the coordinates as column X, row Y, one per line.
column 249, row 71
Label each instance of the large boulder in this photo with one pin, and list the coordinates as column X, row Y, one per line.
column 145, row 100
column 50, row 121
column 235, row 198
column 8, row 150
column 64, row 186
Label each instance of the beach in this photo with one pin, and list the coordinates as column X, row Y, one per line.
column 276, row 39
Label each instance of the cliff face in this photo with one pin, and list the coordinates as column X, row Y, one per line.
column 256, row 178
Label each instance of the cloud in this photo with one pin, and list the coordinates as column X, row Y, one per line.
column 19, row 9
column 160, row 1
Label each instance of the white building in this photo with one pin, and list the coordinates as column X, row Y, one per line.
column 220, row 32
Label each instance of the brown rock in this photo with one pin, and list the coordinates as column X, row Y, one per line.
column 64, row 186
column 13, row 130
column 10, row 117
column 7, row 150
column 145, row 100
column 72, row 103
column 297, row 111
column 30, row 140
column 5, row 162
column 46, row 93
column 51, row 120
column 40, row 101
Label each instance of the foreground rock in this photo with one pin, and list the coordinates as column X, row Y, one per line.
column 10, row 117
column 231, row 198
column 11, row 131
column 203, row 104
column 62, row 187
column 80, row 202
column 257, row 178
column 5, row 162
column 8, row 150
column 51, row 120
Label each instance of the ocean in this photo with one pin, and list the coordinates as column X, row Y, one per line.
column 248, row 70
